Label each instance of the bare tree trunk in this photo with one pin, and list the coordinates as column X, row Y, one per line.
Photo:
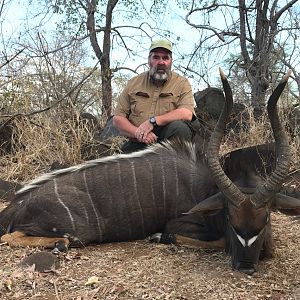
column 105, row 61
column 104, row 55
column 257, row 68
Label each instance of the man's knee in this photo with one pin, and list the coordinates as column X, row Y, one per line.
column 177, row 129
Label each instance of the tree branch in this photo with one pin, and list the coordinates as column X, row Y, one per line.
column 57, row 102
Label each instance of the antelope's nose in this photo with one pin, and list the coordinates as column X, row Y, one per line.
column 246, row 267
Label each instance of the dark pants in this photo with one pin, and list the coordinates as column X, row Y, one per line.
column 179, row 129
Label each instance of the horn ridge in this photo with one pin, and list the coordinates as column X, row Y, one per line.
column 275, row 180
column 225, row 185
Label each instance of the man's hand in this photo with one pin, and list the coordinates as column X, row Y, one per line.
column 150, row 138
column 144, row 133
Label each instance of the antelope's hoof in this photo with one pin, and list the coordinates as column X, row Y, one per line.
column 163, row 238
column 60, row 246
column 155, row 238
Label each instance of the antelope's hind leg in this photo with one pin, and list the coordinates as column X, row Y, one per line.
column 20, row 239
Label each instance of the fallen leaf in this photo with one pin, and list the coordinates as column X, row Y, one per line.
column 92, row 280
column 8, row 284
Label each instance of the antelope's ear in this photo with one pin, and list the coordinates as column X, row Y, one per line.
column 287, row 205
column 210, row 205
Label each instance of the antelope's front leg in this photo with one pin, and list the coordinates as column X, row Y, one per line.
column 190, row 230
column 180, row 240
column 20, row 239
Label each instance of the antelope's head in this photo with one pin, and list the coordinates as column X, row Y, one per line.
column 248, row 210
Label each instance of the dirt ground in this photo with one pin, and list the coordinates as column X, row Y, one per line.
column 140, row 270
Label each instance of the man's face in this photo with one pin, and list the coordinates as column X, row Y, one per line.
column 160, row 62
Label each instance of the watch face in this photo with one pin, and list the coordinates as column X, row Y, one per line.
column 152, row 120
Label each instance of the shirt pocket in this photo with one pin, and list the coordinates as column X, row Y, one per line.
column 167, row 102
column 139, row 103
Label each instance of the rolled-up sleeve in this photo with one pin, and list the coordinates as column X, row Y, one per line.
column 186, row 98
column 123, row 104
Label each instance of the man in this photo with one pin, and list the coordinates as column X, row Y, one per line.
column 157, row 104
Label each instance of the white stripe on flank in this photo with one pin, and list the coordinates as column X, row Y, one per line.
column 93, row 206
column 83, row 206
column 176, row 184
column 123, row 199
column 108, row 180
column 137, row 195
column 176, row 176
column 151, row 184
column 163, row 181
column 63, row 204
column 193, row 154
column 192, row 182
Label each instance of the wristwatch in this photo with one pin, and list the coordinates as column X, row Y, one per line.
column 152, row 121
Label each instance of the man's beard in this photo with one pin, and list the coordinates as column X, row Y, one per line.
column 159, row 76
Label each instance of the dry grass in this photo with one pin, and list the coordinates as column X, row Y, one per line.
column 258, row 132
column 38, row 143
column 44, row 140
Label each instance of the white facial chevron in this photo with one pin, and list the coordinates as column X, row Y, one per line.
column 246, row 243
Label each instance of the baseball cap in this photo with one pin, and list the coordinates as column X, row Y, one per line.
column 161, row 44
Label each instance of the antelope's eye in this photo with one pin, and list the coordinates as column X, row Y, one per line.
column 267, row 219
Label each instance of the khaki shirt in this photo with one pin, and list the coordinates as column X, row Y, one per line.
column 141, row 99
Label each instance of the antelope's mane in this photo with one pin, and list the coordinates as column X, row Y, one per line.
column 181, row 149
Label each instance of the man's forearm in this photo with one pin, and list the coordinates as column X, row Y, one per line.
column 124, row 126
